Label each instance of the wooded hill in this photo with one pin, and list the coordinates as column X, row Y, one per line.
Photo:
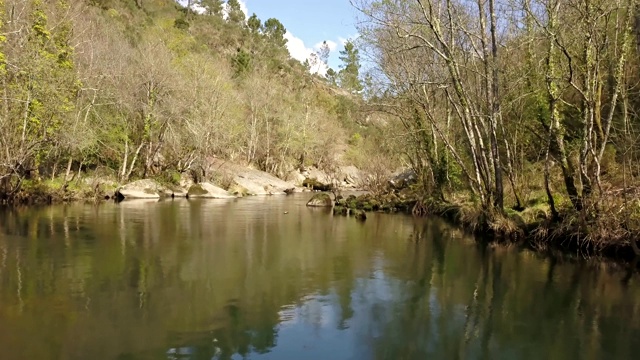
column 145, row 88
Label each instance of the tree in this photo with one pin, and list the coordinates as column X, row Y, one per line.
column 332, row 76
column 320, row 58
column 254, row 23
column 350, row 69
column 241, row 62
column 212, row 7
column 323, row 52
column 275, row 31
column 235, row 13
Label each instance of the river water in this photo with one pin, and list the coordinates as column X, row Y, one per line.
column 268, row 278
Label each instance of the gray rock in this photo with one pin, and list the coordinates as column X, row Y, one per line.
column 140, row 189
column 351, row 176
column 296, row 177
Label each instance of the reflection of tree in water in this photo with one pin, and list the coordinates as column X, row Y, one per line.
column 70, row 275
column 497, row 302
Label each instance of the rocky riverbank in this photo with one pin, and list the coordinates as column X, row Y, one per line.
column 229, row 180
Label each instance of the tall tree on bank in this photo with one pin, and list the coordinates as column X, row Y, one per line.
column 444, row 57
column 349, row 74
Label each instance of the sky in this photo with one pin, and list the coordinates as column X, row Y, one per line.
column 309, row 23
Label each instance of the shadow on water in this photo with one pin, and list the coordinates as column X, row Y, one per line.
column 269, row 278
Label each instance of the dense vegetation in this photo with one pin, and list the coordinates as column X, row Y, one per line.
column 146, row 88
column 523, row 108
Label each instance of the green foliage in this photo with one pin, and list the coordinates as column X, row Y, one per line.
column 181, row 24
column 254, row 24
column 234, row 12
column 332, row 77
column 241, row 63
column 140, row 96
column 3, row 40
column 212, row 7
column 275, row 31
column 350, row 68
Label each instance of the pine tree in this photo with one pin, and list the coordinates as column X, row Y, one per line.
column 254, row 23
column 275, row 31
column 234, row 12
column 350, row 70
column 212, row 7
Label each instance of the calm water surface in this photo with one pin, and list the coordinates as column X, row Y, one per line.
column 240, row 279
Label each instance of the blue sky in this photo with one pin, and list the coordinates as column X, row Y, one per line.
column 309, row 23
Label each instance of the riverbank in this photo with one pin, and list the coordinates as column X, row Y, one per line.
column 229, row 180
column 531, row 227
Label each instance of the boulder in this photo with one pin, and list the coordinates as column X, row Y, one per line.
column 320, row 200
column 245, row 180
column 351, row 176
column 319, row 175
column 295, row 177
column 174, row 192
column 403, row 179
column 140, row 189
column 208, row 191
column 264, row 185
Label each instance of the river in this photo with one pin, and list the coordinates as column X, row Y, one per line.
column 268, row 278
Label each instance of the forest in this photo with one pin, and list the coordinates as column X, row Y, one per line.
column 125, row 89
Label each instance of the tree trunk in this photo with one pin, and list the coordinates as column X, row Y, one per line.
column 123, row 172
column 495, row 112
column 66, row 175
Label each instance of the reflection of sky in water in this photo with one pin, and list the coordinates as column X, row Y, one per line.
column 315, row 328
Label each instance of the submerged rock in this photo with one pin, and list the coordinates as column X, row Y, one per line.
column 320, row 200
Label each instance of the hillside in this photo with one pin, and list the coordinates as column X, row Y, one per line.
column 144, row 88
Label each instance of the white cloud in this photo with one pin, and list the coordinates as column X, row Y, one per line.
column 297, row 49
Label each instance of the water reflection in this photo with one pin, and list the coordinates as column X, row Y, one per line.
column 234, row 279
